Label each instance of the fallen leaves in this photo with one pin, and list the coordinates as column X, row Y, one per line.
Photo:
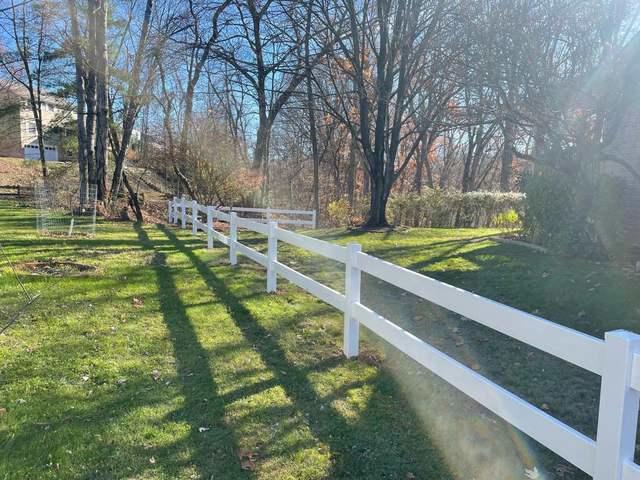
column 247, row 460
column 137, row 302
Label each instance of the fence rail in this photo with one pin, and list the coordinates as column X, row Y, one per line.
column 616, row 359
column 276, row 214
column 16, row 191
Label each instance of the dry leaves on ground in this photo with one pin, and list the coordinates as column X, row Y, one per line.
column 247, row 460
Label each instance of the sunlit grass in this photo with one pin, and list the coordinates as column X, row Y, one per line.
column 165, row 362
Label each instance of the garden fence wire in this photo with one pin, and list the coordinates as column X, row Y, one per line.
column 64, row 210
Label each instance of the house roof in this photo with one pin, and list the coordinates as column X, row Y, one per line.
column 13, row 91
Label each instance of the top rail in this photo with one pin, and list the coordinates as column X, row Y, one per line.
column 326, row 249
column 265, row 210
column 253, row 225
column 225, row 217
column 570, row 345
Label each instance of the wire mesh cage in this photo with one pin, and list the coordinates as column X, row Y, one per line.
column 65, row 210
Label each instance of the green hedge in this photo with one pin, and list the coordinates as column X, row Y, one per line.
column 445, row 208
column 574, row 215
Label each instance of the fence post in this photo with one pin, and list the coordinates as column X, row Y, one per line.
column 209, row 227
column 169, row 211
column 313, row 220
column 183, row 217
column 272, row 258
column 174, row 210
column 618, row 410
column 268, row 214
column 352, row 296
column 194, row 217
column 233, row 238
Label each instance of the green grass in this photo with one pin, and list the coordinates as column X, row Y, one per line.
column 200, row 376
column 204, row 374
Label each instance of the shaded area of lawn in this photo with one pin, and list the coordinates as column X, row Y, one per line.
column 165, row 362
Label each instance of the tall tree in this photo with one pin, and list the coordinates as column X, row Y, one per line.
column 133, row 90
column 27, row 28
column 79, row 83
column 387, row 55
column 264, row 43
column 311, row 107
column 101, row 67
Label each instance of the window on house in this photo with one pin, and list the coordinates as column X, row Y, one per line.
column 31, row 127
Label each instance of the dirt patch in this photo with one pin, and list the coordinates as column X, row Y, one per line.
column 56, row 268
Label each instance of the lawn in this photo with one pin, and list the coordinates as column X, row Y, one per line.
column 165, row 362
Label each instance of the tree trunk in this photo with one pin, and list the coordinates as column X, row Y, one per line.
column 417, row 179
column 131, row 106
column 36, row 108
column 312, row 119
column 80, row 101
column 507, row 157
column 378, row 204
column 133, row 199
column 351, row 172
column 102, row 106
column 261, row 152
column 90, row 92
column 427, row 166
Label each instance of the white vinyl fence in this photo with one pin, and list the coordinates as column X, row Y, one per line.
column 616, row 359
column 305, row 218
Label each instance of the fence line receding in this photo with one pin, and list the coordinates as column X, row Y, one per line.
column 616, row 358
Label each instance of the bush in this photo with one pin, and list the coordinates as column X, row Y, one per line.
column 338, row 213
column 509, row 220
column 440, row 208
column 571, row 215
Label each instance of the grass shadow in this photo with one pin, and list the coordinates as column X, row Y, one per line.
column 202, row 402
column 379, row 444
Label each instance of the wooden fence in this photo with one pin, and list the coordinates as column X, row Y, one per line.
column 616, row 359
column 15, row 191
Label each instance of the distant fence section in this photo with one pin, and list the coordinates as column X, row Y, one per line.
column 616, row 359
column 304, row 218
column 16, row 191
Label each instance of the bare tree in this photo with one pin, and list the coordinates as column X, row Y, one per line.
column 26, row 27
column 387, row 57
column 133, row 92
column 88, row 44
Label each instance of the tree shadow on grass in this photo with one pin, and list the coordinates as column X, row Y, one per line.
column 202, row 404
column 385, row 441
